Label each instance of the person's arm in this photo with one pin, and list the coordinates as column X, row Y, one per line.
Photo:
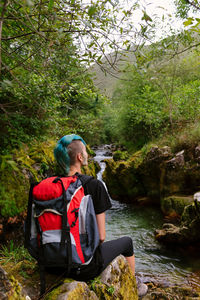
column 101, row 223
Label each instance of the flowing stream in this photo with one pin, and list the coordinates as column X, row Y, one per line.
column 154, row 262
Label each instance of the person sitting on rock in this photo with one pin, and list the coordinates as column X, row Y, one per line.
column 70, row 153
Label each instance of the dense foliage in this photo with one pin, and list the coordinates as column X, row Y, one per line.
column 159, row 93
column 46, row 48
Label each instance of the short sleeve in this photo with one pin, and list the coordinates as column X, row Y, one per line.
column 100, row 196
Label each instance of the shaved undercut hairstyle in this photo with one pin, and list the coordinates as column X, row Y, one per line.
column 73, row 149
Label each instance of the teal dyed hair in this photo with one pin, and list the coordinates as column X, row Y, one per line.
column 61, row 153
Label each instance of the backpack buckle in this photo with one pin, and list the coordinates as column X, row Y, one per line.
column 78, row 271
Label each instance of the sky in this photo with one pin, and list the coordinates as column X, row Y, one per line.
column 162, row 13
column 164, row 22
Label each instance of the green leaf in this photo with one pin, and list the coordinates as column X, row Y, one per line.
column 128, row 48
column 146, row 17
column 50, row 6
column 188, row 22
column 13, row 164
column 91, row 11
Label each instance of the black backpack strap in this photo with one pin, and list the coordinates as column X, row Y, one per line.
column 29, row 216
column 42, row 279
column 65, row 235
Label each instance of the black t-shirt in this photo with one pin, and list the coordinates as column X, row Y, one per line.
column 97, row 190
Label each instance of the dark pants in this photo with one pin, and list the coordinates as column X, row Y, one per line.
column 111, row 249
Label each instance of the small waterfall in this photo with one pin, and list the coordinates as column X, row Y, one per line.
column 102, row 153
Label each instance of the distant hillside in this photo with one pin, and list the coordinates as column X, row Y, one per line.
column 107, row 80
column 105, row 77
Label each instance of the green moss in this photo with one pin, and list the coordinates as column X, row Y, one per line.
column 136, row 159
column 174, row 205
column 54, row 294
column 91, row 169
column 189, row 214
column 122, row 179
column 120, row 155
column 122, row 285
column 17, row 169
column 128, row 289
column 13, row 193
column 102, row 292
column 16, row 293
column 79, row 291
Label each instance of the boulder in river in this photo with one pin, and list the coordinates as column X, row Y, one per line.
column 173, row 206
column 187, row 232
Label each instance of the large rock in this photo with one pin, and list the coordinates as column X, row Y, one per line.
column 118, row 279
column 173, row 206
column 155, row 175
column 115, row 282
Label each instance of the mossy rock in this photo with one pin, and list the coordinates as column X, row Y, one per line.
column 152, row 173
column 173, row 206
column 120, row 155
column 92, row 169
column 29, row 163
column 10, row 288
column 117, row 281
column 122, row 180
column 73, row 290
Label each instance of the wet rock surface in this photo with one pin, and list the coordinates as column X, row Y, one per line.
column 187, row 231
column 169, row 293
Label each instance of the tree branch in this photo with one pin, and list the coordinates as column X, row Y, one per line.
column 192, row 3
column 34, row 32
column 5, row 4
column 186, row 49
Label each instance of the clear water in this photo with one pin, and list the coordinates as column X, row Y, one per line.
column 154, row 262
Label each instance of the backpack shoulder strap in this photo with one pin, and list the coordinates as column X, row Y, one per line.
column 29, row 216
column 84, row 178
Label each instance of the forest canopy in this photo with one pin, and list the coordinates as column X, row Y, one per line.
column 46, row 49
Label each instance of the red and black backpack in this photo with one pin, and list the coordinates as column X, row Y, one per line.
column 61, row 228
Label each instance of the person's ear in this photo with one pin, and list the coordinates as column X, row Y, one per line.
column 80, row 157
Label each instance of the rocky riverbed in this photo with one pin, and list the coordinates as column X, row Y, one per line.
column 169, row 180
